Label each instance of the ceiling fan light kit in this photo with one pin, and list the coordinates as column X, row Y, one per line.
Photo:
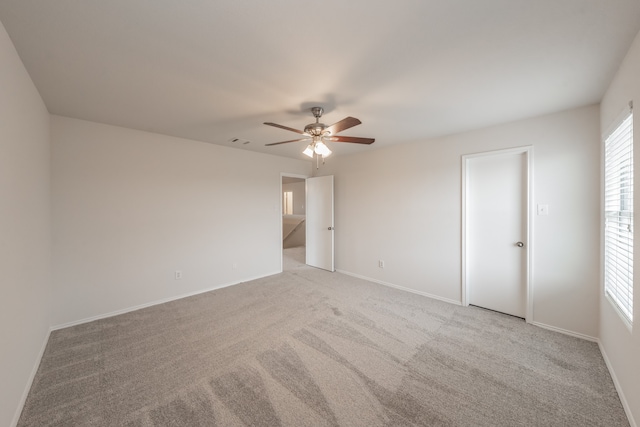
column 322, row 149
column 309, row 150
column 318, row 132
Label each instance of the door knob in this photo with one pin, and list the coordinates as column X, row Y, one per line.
column 519, row 244
column 330, row 228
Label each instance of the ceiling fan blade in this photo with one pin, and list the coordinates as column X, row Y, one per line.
column 343, row 124
column 285, row 128
column 286, row 142
column 353, row 139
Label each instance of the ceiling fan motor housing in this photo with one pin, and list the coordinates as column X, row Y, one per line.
column 315, row 129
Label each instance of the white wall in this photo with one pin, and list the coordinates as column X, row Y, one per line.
column 131, row 207
column 25, row 242
column 622, row 347
column 403, row 205
column 299, row 196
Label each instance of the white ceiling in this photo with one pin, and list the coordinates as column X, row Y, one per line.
column 409, row 69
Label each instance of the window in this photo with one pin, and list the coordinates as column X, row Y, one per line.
column 287, row 203
column 618, row 216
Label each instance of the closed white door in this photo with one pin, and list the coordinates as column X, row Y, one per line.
column 320, row 222
column 496, row 247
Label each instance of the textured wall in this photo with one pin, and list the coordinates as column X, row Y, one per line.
column 130, row 208
column 25, row 245
column 403, row 205
column 621, row 345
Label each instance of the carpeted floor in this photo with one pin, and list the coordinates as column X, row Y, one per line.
column 293, row 258
column 312, row 348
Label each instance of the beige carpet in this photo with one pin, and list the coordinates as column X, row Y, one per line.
column 293, row 258
column 312, row 348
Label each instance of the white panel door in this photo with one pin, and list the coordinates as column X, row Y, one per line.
column 320, row 222
column 496, row 269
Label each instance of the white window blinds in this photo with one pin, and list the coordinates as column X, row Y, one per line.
column 618, row 207
column 287, row 203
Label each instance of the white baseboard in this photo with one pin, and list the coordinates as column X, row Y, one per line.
column 34, row 371
column 32, row 376
column 565, row 331
column 616, row 383
column 450, row 301
column 623, row 399
column 157, row 302
column 402, row 288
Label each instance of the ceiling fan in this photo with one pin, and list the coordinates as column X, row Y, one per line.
column 318, row 133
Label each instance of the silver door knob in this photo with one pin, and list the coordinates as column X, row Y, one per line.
column 519, row 244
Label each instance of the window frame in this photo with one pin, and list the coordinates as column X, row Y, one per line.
column 617, row 213
column 287, row 202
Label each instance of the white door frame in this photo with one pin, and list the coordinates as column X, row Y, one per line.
column 528, row 152
column 283, row 175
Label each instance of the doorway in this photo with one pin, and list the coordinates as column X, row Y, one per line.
column 496, row 243
column 293, row 206
column 307, row 222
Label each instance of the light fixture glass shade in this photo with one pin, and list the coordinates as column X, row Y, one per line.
column 308, row 151
column 322, row 149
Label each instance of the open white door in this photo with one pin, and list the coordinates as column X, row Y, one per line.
column 320, row 222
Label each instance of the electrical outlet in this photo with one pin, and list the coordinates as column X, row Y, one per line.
column 235, row 266
column 178, row 274
column 381, row 264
